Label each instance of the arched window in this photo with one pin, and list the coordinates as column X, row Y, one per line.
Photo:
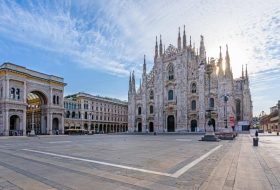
column 57, row 100
column 67, row 114
column 212, row 102
column 73, row 114
column 193, row 88
column 54, row 99
column 13, row 93
column 170, row 95
column 193, row 105
column 86, row 115
column 139, row 110
column 151, row 109
column 18, row 94
column 170, row 71
column 151, row 95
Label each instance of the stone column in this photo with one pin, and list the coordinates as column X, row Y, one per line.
column 62, row 124
column 7, row 95
column 6, row 122
column 24, row 123
column 49, row 123
column 24, row 92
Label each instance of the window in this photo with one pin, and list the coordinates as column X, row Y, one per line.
column 18, row 94
column 79, row 115
column 212, row 102
column 57, row 100
column 170, row 95
column 86, row 115
column 139, row 110
column 193, row 105
column 13, row 95
column 193, row 88
column 68, row 114
column 54, row 99
column 151, row 95
column 73, row 114
column 151, row 109
column 170, row 72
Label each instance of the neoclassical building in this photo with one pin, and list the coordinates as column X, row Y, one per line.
column 174, row 95
column 95, row 113
column 29, row 98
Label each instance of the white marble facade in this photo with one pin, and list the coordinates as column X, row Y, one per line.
column 30, row 98
column 174, row 95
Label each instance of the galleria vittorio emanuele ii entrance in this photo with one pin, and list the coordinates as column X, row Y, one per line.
column 32, row 102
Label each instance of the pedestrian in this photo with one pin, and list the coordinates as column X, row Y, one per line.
column 256, row 133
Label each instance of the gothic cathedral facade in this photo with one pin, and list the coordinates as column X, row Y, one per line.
column 177, row 94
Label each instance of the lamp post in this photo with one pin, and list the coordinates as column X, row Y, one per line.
column 210, row 134
column 225, row 109
column 32, row 108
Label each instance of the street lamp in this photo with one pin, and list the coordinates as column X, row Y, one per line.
column 210, row 134
column 32, row 108
column 225, row 97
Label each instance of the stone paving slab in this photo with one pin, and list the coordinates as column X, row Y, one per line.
column 244, row 167
column 236, row 165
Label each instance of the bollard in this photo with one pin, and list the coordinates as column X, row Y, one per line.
column 255, row 141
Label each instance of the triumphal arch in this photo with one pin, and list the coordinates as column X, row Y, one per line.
column 30, row 102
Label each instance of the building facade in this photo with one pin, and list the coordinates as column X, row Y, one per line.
column 271, row 122
column 174, row 95
column 29, row 99
column 95, row 114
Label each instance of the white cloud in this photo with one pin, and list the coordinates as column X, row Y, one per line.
column 113, row 35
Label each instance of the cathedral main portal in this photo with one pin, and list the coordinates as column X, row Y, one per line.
column 170, row 123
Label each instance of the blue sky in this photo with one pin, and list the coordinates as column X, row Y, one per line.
column 95, row 44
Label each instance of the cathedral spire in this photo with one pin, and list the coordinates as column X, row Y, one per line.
column 130, row 82
column 179, row 40
column 184, row 39
column 190, row 41
column 160, row 46
column 228, row 69
column 156, row 49
column 202, row 48
column 220, row 63
column 144, row 65
column 246, row 72
column 133, row 82
column 220, row 53
column 242, row 72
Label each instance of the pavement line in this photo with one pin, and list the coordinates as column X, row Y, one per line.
column 177, row 174
column 183, row 140
column 193, row 163
column 54, row 142
column 99, row 162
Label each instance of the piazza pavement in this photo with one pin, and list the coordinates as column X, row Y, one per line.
column 141, row 162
